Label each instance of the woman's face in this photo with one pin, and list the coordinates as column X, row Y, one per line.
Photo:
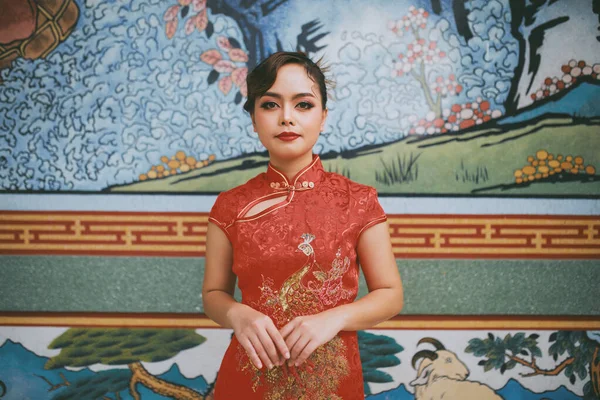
column 289, row 117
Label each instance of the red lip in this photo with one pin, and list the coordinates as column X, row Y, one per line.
column 287, row 136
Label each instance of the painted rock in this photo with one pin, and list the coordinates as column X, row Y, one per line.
column 17, row 20
column 33, row 28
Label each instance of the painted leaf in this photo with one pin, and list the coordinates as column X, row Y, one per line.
column 190, row 25
column 212, row 77
column 210, row 29
column 184, row 11
column 211, row 56
column 171, row 28
column 238, row 98
column 225, row 84
column 244, row 89
column 234, row 43
column 224, row 66
column 239, row 76
column 377, row 376
column 171, row 13
column 199, row 5
column 201, row 21
column 223, row 43
column 238, row 55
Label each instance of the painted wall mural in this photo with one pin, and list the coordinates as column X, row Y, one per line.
column 435, row 97
column 445, row 99
column 150, row 363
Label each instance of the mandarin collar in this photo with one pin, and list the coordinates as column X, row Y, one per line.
column 307, row 178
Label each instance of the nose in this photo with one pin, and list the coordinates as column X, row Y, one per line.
column 286, row 116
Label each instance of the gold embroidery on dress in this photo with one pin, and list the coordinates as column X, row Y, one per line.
column 295, row 298
column 317, row 379
column 292, row 287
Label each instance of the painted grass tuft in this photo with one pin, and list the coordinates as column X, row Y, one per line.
column 464, row 175
column 403, row 169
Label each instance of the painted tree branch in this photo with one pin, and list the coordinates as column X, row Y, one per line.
column 538, row 371
column 157, row 385
column 53, row 386
column 435, row 106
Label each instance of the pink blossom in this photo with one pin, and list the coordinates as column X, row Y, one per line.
column 171, row 13
column 225, row 84
column 223, row 43
column 224, row 66
column 211, row 56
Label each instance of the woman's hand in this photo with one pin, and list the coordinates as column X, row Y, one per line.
column 258, row 335
column 303, row 335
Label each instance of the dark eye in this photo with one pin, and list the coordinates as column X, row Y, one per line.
column 268, row 105
column 305, row 105
column 448, row 360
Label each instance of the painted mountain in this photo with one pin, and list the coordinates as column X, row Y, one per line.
column 23, row 373
column 513, row 390
column 579, row 102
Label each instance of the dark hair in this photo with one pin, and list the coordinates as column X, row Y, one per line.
column 264, row 74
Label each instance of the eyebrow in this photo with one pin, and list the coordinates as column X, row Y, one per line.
column 296, row 96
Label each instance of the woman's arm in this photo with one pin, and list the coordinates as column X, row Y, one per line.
column 255, row 331
column 384, row 300
column 219, row 280
column 386, row 296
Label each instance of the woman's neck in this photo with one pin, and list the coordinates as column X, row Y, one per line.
column 290, row 168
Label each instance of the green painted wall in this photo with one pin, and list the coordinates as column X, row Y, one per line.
column 446, row 287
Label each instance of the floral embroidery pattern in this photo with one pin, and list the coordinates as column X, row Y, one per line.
column 308, row 290
column 304, row 382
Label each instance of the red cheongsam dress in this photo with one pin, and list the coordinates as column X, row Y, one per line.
column 296, row 257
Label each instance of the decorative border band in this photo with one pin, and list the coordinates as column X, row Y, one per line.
column 196, row 321
column 184, row 235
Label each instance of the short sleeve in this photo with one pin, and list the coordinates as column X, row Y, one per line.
column 220, row 213
column 372, row 213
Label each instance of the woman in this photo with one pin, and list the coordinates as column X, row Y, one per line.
column 292, row 236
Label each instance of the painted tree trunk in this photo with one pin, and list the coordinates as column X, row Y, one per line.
column 541, row 28
column 157, row 385
column 595, row 371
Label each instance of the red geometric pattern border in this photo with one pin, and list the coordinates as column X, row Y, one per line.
column 184, row 234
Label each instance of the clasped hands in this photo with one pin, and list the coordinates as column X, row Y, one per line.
column 294, row 343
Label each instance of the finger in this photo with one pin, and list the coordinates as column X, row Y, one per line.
column 291, row 340
column 288, row 328
column 308, row 350
column 297, row 349
column 262, row 354
column 247, row 345
column 279, row 342
column 269, row 347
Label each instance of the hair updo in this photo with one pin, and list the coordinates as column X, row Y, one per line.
column 264, row 74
